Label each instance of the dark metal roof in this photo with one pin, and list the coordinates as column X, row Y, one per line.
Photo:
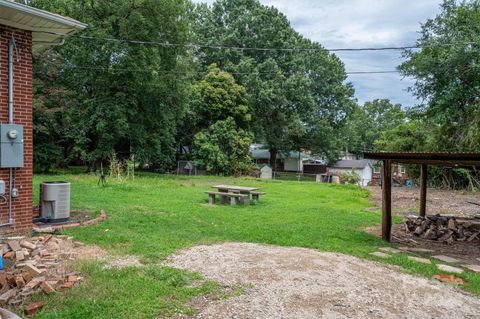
column 432, row 158
column 353, row 163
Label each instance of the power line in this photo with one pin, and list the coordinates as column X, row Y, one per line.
column 207, row 46
column 206, row 72
column 237, row 48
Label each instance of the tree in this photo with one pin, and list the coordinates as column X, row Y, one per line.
column 301, row 87
column 215, row 97
column 220, row 118
column 365, row 124
column 446, row 73
column 122, row 97
column 224, row 149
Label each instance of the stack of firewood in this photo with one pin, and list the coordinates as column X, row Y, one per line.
column 443, row 228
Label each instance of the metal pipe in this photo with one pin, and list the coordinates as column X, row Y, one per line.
column 11, row 44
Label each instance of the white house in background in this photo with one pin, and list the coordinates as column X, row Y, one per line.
column 288, row 162
column 364, row 168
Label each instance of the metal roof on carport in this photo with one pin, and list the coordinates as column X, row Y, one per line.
column 430, row 158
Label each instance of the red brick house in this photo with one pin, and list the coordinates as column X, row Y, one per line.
column 22, row 29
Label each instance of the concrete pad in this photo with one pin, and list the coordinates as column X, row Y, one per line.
column 420, row 260
column 390, row 250
column 448, row 268
column 446, row 259
column 380, row 254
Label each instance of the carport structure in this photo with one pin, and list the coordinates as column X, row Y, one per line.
column 445, row 159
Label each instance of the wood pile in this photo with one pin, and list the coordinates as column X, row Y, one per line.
column 443, row 228
column 33, row 266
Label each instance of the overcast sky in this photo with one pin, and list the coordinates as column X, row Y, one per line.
column 363, row 23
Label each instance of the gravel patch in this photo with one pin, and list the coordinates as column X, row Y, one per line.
column 304, row 283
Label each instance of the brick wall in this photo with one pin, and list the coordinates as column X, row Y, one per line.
column 22, row 205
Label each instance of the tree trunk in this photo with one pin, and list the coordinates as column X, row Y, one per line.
column 273, row 159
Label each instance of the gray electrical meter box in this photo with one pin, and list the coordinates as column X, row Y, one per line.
column 11, row 145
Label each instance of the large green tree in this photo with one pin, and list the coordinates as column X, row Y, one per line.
column 293, row 93
column 366, row 123
column 122, row 97
column 219, row 116
column 446, row 71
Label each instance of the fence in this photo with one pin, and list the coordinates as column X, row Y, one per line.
column 294, row 176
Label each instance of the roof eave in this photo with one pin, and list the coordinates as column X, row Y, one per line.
column 69, row 22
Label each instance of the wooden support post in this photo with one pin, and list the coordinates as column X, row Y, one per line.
column 423, row 190
column 386, row 200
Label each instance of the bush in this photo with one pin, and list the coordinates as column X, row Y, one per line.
column 350, row 177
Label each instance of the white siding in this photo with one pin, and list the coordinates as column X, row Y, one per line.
column 365, row 174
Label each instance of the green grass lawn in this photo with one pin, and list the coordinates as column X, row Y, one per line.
column 155, row 215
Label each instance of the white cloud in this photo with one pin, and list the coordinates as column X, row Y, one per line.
column 363, row 23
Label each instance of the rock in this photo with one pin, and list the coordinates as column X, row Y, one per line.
column 452, row 224
column 14, row 245
column 4, row 286
column 27, row 244
column 474, row 268
column 390, row 250
column 34, row 271
column 35, row 252
column 420, row 260
column 5, row 249
column 67, row 285
column 47, row 288
column 33, row 308
column 416, row 250
column 19, row 256
column 35, row 282
column 448, row 268
column 474, row 236
column 9, row 255
column 27, row 277
column 430, row 234
column 19, row 281
column 6, row 296
column 47, row 238
column 446, row 259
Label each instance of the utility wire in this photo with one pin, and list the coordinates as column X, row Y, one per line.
column 238, row 48
column 206, row 46
column 206, row 72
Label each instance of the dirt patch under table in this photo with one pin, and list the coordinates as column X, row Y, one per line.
column 305, row 283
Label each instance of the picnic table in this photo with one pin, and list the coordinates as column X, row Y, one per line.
column 234, row 193
column 235, row 189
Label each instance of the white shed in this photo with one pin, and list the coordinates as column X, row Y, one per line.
column 364, row 168
column 266, row 172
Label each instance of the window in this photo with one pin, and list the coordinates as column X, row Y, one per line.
column 376, row 169
column 402, row 170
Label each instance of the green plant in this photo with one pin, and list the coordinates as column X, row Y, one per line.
column 351, row 177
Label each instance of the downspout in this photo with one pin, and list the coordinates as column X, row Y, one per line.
column 11, row 44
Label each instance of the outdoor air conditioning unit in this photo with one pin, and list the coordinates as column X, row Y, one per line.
column 55, row 201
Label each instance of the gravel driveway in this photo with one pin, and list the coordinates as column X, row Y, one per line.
column 304, row 283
